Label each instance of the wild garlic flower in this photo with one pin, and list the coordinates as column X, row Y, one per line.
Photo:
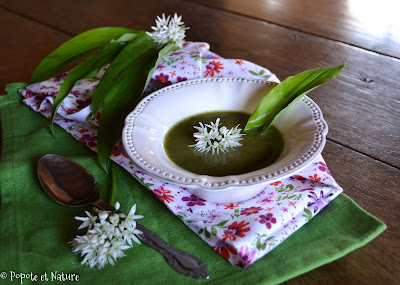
column 169, row 30
column 211, row 137
column 108, row 235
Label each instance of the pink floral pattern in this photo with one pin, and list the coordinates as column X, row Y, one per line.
column 241, row 232
column 268, row 220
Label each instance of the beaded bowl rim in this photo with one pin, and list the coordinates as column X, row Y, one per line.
column 223, row 181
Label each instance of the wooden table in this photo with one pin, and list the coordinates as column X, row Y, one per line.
column 361, row 106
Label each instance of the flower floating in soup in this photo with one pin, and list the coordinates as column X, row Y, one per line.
column 219, row 149
column 217, row 139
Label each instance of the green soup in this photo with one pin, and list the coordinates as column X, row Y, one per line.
column 255, row 153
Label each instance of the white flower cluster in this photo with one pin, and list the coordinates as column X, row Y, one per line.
column 169, row 30
column 217, row 138
column 108, row 235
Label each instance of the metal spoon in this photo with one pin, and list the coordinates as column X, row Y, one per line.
column 69, row 184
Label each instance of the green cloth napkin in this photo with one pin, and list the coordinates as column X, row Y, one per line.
column 35, row 231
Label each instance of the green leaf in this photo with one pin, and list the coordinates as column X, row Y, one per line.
column 308, row 215
column 196, row 57
column 207, row 234
column 221, row 223
column 95, row 62
column 121, row 89
column 124, row 64
column 125, row 38
column 253, row 72
column 258, row 245
column 165, row 50
column 214, row 231
column 76, row 48
column 278, row 99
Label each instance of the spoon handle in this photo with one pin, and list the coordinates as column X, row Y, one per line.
column 183, row 262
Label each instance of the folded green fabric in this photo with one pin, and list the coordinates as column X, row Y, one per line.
column 35, row 231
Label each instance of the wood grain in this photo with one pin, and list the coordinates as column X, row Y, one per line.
column 361, row 106
column 367, row 24
column 22, row 49
column 374, row 186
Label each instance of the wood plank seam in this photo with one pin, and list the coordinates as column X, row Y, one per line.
column 289, row 28
column 30, row 18
column 362, row 153
column 223, row 10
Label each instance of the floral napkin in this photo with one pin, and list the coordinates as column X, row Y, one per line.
column 241, row 232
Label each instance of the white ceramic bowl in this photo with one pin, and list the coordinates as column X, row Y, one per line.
column 303, row 128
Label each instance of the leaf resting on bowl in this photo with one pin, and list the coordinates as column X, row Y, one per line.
column 284, row 94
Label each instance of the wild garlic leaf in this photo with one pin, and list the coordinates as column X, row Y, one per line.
column 122, row 40
column 120, row 89
column 76, row 48
column 163, row 52
column 125, row 38
column 120, row 66
column 281, row 96
column 93, row 63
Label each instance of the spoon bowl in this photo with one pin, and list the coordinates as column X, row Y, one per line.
column 67, row 182
column 70, row 184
